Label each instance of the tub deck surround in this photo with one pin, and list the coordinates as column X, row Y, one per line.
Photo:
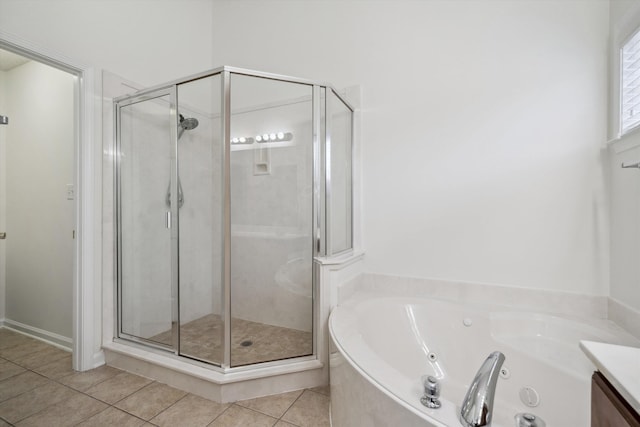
column 620, row 365
column 383, row 345
column 524, row 299
column 624, row 316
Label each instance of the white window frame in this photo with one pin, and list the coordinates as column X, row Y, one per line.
column 625, row 127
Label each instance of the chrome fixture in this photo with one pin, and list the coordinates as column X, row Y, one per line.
column 180, row 195
column 528, row 420
column 185, row 124
column 4, row 120
column 3, row 235
column 632, row 165
column 477, row 406
column 431, row 392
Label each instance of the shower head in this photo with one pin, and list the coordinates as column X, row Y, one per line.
column 188, row 123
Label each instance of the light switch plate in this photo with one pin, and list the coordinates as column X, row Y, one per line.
column 71, row 192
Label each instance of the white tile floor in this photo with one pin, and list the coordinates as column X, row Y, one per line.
column 39, row 388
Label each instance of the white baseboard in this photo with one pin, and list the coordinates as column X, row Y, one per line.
column 56, row 340
column 99, row 359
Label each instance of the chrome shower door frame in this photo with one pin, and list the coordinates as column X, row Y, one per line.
column 327, row 168
column 171, row 215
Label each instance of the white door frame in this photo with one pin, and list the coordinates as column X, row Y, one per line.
column 87, row 274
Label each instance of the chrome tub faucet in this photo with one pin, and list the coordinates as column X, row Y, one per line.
column 477, row 406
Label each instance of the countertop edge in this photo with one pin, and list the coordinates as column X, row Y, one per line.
column 620, row 365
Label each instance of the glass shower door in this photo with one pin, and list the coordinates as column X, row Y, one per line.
column 146, row 200
column 201, row 209
column 339, row 198
column 271, row 174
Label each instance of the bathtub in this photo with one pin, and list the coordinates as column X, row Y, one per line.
column 380, row 347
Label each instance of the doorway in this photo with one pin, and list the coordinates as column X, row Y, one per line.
column 37, row 197
column 87, row 297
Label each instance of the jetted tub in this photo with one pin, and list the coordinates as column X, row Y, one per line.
column 382, row 346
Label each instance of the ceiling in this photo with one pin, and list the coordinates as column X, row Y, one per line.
column 9, row 60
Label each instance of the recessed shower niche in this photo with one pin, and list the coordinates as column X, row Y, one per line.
column 229, row 186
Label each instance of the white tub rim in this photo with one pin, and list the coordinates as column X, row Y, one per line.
column 443, row 419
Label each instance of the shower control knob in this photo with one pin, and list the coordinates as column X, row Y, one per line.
column 528, row 420
column 431, row 386
column 431, row 392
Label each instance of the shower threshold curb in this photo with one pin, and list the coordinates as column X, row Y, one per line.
column 245, row 383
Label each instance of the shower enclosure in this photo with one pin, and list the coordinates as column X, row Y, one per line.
column 229, row 184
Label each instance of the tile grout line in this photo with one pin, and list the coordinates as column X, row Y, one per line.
column 35, row 413
column 109, row 406
column 74, row 372
column 165, row 409
column 256, row 411
column 291, row 406
column 120, row 400
column 31, row 369
column 11, row 376
column 131, row 394
column 6, row 421
column 220, row 414
column 65, row 400
column 26, row 391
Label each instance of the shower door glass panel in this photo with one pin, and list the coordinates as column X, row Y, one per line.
column 271, row 220
column 200, row 177
column 340, row 147
column 144, row 251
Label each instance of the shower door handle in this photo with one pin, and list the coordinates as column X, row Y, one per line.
column 168, row 223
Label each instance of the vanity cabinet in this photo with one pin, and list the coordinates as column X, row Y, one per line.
column 608, row 408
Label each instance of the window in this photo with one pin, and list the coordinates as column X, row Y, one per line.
column 630, row 84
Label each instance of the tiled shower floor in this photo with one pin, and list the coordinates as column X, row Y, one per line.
column 39, row 388
column 201, row 338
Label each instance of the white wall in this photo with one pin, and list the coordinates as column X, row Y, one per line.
column 3, row 194
column 39, row 218
column 481, row 130
column 625, row 183
column 145, row 41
